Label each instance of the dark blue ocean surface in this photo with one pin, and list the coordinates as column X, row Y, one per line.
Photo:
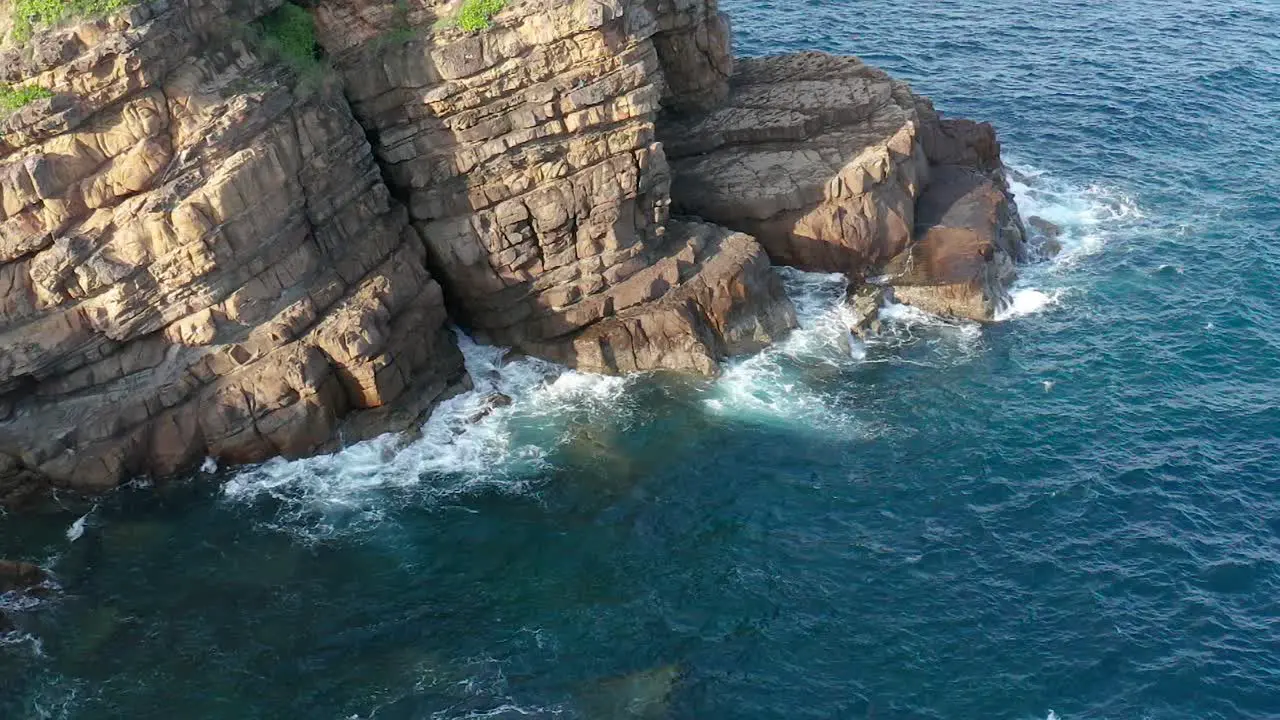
column 1074, row 513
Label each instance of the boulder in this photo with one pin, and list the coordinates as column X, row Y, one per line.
column 863, row 302
column 16, row 576
column 1047, row 229
column 713, row 296
column 962, row 258
column 957, row 141
column 815, row 155
column 1048, row 233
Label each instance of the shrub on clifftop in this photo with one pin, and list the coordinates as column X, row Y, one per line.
column 291, row 33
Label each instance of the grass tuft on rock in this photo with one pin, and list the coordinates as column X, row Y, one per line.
column 15, row 98
column 476, row 15
column 31, row 14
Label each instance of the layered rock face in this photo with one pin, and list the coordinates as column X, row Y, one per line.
column 197, row 260
column 528, row 160
column 815, row 155
column 835, row 166
column 967, row 239
column 200, row 258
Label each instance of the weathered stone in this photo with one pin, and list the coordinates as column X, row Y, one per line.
column 18, row 576
column 863, row 301
column 198, row 260
column 714, row 296
column 1046, row 236
column 817, row 156
column 962, row 259
column 1044, row 227
column 528, row 156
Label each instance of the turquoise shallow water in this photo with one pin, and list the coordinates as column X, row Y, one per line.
column 1074, row 513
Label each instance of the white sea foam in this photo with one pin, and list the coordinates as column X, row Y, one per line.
column 470, row 441
column 1027, row 301
column 76, row 531
column 1088, row 218
column 773, row 384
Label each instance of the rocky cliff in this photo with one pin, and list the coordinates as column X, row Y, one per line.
column 210, row 251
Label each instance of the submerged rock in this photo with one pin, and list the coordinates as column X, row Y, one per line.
column 18, row 576
column 1048, row 244
column 639, row 696
column 1048, row 229
column 488, row 404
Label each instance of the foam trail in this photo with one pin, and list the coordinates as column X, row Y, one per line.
column 76, row 530
column 773, row 384
column 468, row 442
column 1087, row 217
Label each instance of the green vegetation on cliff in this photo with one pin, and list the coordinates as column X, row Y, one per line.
column 475, row 15
column 14, row 98
column 31, row 14
column 290, row 33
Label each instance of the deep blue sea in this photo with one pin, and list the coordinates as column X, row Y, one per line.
column 1072, row 514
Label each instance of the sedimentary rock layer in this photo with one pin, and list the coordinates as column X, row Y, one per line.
column 962, row 259
column 528, row 160
column 830, row 163
column 201, row 255
column 815, row 155
column 198, row 260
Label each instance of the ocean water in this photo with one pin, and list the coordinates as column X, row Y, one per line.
column 1073, row 513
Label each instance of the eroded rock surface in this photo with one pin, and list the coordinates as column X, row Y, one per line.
column 967, row 239
column 528, row 160
column 815, row 155
column 835, row 166
column 197, row 260
column 716, row 295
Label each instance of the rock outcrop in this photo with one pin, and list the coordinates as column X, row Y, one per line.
column 527, row 157
column 815, row 155
column 835, row 166
column 201, row 255
column 18, row 577
column 198, row 260
column 966, row 242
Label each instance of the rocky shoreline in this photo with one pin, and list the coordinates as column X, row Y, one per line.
column 205, row 254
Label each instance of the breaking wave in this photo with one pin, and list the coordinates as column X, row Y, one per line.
column 502, row 435
column 495, row 436
column 1087, row 219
